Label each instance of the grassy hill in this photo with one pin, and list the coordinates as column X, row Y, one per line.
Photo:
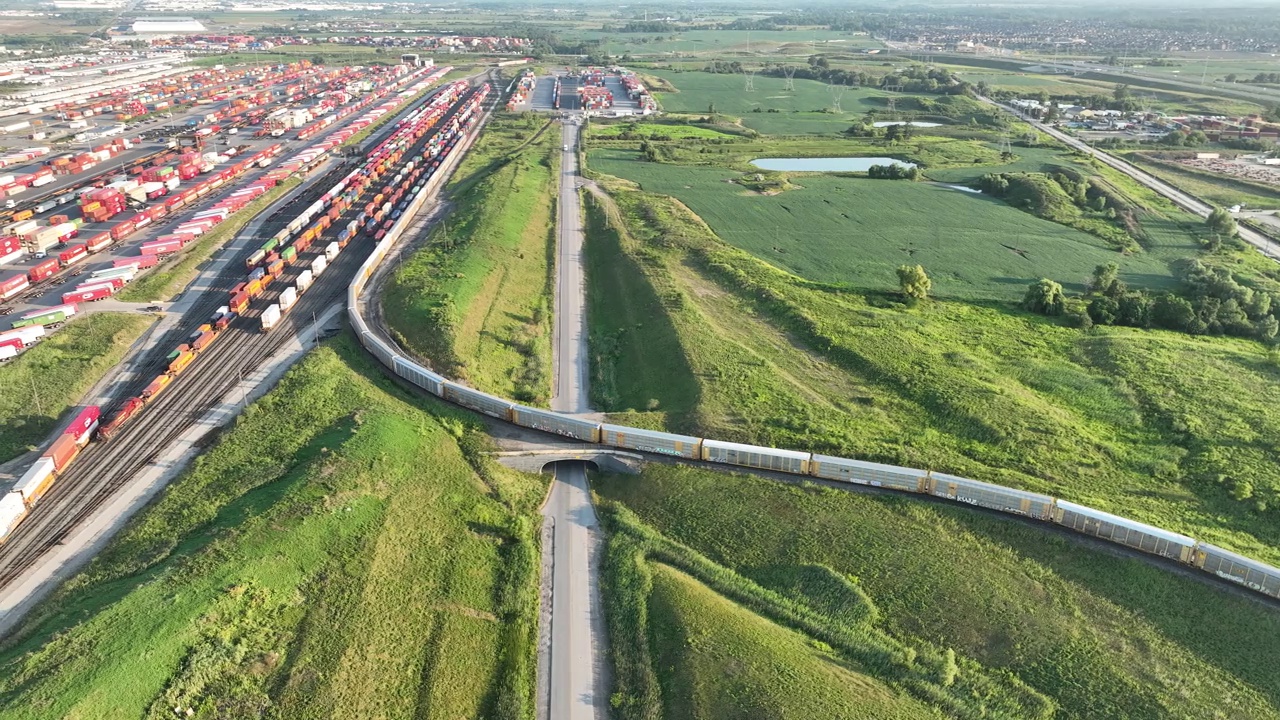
column 343, row 551
column 1097, row 634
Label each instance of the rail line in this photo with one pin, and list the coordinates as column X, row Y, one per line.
column 104, row 466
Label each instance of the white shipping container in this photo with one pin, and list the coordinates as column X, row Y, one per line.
column 318, row 265
column 28, row 334
column 7, row 351
column 173, row 183
column 42, row 180
column 14, row 256
column 35, row 480
column 304, row 280
column 331, row 251
column 270, row 317
column 288, row 298
column 12, row 511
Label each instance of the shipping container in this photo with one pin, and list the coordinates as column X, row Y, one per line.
column 62, row 452
column 36, row 480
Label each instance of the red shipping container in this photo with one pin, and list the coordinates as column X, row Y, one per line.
column 62, row 452
column 142, row 261
column 13, row 285
column 73, row 254
column 115, row 283
column 9, row 244
column 42, row 271
column 86, row 295
column 82, row 427
column 123, row 230
column 15, row 343
column 161, row 247
column 157, row 212
column 99, row 242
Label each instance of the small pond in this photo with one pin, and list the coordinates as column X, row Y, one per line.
column 830, row 164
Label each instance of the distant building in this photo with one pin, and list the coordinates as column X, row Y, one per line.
column 166, row 26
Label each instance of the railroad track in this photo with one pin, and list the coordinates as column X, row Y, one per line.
column 106, row 465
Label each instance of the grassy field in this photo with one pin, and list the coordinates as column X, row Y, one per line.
column 807, row 110
column 1097, row 635
column 37, row 387
column 710, row 43
column 476, row 299
column 344, row 550
column 702, row 338
column 856, row 232
column 165, row 281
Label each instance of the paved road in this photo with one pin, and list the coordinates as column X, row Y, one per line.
column 1179, row 198
column 570, row 392
column 574, row 686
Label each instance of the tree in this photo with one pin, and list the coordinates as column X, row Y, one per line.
column 1133, row 309
column 317, row 59
column 1106, row 281
column 1173, row 313
column 1103, row 310
column 1221, row 222
column 913, row 281
column 1045, row 297
column 1231, row 77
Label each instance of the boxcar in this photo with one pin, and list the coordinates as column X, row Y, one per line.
column 1139, row 536
column 651, row 441
column 995, row 497
column 867, row 473
column 419, row 376
column 476, row 400
column 1238, row 569
column 754, row 456
column 555, row 423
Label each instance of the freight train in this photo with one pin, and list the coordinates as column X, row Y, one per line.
column 37, row 480
column 1162, row 543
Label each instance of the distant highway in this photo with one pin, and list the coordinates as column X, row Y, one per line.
column 1184, row 200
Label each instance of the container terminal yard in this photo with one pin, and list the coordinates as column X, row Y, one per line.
column 164, row 194
column 313, row 245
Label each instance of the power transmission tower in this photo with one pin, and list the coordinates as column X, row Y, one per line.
column 893, row 108
column 1006, row 146
column 789, row 71
column 837, row 92
column 750, row 77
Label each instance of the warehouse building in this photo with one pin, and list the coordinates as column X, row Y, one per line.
column 146, row 28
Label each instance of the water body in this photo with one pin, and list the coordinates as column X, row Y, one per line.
column 961, row 188
column 830, row 164
column 913, row 123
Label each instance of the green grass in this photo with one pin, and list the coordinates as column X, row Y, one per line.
column 476, row 299
column 167, row 280
column 712, row 42
column 1101, row 635
column 37, row 387
column 1161, row 427
column 804, row 111
column 344, row 550
column 661, row 131
column 856, row 232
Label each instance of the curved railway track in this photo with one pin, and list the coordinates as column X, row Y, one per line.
column 106, row 465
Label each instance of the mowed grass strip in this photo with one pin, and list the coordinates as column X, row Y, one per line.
column 856, row 232
column 38, row 386
column 1104, row 636
column 475, row 300
column 343, row 551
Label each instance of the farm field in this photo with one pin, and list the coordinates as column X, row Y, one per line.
column 692, row 334
column 37, row 387
column 476, row 298
column 1096, row 634
column 297, row 570
column 855, row 232
column 804, row 111
column 712, row 42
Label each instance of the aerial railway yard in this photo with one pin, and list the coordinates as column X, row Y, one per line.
column 395, row 164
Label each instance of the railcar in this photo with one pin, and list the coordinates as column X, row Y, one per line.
column 554, row 422
column 476, row 400
column 754, row 456
column 994, row 497
column 651, row 441
column 419, row 376
column 862, row 472
column 1238, row 569
column 1131, row 533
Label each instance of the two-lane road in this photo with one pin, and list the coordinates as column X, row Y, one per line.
column 574, row 685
